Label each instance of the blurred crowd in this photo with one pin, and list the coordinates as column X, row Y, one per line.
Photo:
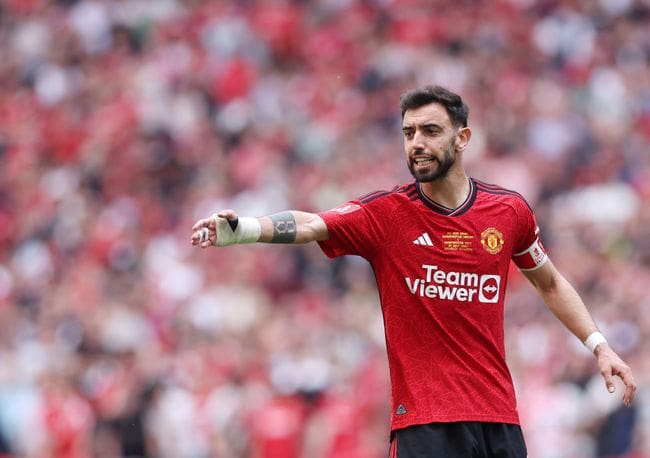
column 124, row 121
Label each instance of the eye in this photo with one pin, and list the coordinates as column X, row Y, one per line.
column 408, row 134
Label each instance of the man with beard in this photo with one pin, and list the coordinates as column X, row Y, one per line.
column 440, row 248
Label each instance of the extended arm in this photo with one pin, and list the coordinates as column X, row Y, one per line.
column 565, row 303
column 227, row 228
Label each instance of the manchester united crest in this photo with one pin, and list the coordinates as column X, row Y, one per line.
column 492, row 240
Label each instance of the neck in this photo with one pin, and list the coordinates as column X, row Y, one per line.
column 450, row 191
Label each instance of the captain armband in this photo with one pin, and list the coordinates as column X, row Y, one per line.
column 532, row 257
column 242, row 230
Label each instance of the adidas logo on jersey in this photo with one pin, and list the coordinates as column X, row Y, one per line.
column 424, row 239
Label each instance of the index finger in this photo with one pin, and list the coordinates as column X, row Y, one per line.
column 205, row 222
column 607, row 373
column 630, row 387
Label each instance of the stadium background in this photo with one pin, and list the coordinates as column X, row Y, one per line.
column 122, row 122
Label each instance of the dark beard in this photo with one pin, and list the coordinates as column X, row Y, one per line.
column 448, row 159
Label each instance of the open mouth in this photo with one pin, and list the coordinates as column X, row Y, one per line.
column 423, row 160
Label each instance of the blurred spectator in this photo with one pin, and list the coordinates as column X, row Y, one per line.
column 122, row 122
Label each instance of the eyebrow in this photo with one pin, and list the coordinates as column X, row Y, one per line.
column 426, row 125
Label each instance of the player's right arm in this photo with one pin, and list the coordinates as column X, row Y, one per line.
column 227, row 228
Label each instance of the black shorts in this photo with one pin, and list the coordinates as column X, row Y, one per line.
column 467, row 439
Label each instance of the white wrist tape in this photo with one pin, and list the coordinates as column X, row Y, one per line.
column 247, row 230
column 594, row 339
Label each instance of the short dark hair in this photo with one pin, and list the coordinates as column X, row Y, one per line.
column 457, row 110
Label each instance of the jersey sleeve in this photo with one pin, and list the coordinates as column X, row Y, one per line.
column 529, row 253
column 354, row 228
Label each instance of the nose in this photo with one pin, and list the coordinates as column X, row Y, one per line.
column 417, row 142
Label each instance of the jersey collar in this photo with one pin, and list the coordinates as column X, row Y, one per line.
column 441, row 209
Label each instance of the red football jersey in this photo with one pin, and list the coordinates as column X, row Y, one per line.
column 442, row 276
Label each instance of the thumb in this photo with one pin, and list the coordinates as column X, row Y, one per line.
column 609, row 383
column 227, row 214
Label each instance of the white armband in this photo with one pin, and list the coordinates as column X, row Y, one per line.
column 242, row 230
column 594, row 339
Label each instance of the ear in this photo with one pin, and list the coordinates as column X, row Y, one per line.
column 462, row 138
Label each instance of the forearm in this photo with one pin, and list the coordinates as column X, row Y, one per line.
column 563, row 300
column 565, row 303
column 292, row 227
column 226, row 228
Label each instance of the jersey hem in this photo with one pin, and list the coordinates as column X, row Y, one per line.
column 513, row 420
